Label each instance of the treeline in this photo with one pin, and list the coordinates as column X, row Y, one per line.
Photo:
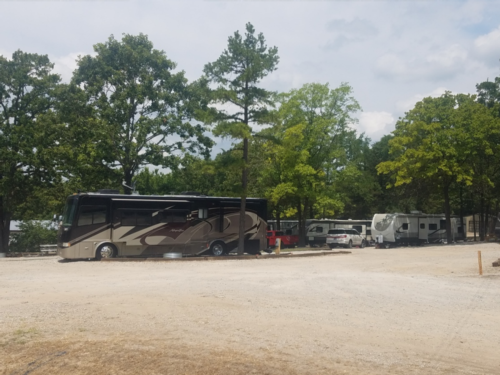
column 128, row 115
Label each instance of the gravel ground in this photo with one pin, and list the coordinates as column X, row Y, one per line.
column 375, row 311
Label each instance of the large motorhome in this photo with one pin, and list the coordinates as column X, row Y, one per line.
column 318, row 229
column 415, row 228
column 109, row 224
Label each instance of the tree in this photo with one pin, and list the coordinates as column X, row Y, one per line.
column 144, row 108
column 439, row 142
column 311, row 128
column 236, row 73
column 28, row 134
column 488, row 93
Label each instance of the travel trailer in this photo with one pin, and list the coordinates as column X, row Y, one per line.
column 415, row 228
column 318, row 229
column 109, row 224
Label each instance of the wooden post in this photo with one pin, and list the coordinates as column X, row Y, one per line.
column 480, row 262
column 278, row 246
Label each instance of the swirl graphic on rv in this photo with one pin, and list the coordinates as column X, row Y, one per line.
column 383, row 224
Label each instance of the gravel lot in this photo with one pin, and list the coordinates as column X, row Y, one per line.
column 376, row 311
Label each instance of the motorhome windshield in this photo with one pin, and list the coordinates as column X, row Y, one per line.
column 69, row 211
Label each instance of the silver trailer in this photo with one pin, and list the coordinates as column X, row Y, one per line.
column 411, row 229
column 318, row 229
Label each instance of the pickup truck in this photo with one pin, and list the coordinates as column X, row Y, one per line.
column 286, row 240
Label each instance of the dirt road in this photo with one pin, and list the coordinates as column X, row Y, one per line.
column 375, row 311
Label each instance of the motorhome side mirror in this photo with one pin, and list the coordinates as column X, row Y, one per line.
column 202, row 213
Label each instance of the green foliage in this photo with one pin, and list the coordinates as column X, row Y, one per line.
column 305, row 151
column 29, row 135
column 488, row 93
column 444, row 141
column 236, row 73
column 142, row 106
column 33, row 234
column 86, row 158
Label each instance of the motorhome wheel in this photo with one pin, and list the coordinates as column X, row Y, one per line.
column 349, row 245
column 106, row 250
column 217, row 249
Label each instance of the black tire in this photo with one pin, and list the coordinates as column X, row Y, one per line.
column 349, row 245
column 106, row 250
column 332, row 246
column 362, row 246
column 218, row 249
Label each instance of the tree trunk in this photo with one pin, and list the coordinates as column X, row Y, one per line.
column 464, row 230
column 278, row 220
column 244, row 182
column 127, row 174
column 304, row 217
column 487, row 218
column 481, row 218
column 4, row 228
column 447, row 212
column 302, row 225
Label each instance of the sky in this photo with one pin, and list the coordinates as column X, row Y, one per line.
column 392, row 53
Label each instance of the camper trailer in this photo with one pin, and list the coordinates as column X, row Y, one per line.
column 318, row 229
column 415, row 228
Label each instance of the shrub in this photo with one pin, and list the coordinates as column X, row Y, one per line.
column 33, row 234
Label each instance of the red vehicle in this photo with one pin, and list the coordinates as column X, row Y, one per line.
column 286, row 240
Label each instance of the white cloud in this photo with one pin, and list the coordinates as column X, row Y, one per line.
column 488, row 47
column 375, row 124
column 65, row 65
column 346, row 32
column 438, row 65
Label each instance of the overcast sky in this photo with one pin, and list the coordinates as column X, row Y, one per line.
column 393, row 53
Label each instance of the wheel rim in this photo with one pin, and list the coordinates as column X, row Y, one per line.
column 217, row 249
column 106, row 251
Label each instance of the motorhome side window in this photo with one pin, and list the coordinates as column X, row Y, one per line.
column 319, row 229
column 433, row 227
column 359, row 228
column 422, row 225
column 133, row 218
column 91, row 215
column 174, row 216
column 442, row 224
column 405, row 226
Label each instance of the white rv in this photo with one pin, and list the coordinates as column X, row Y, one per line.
column 414, row 228
column 318, row 229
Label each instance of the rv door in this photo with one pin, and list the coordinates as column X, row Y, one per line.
column 423, row 228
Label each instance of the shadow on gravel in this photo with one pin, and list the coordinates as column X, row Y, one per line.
column 75, row 260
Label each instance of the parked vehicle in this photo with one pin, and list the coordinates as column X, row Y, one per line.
column 109, row 224
column 318, row 229
column 411, row 229
column 286, row 240
column 348, row 238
